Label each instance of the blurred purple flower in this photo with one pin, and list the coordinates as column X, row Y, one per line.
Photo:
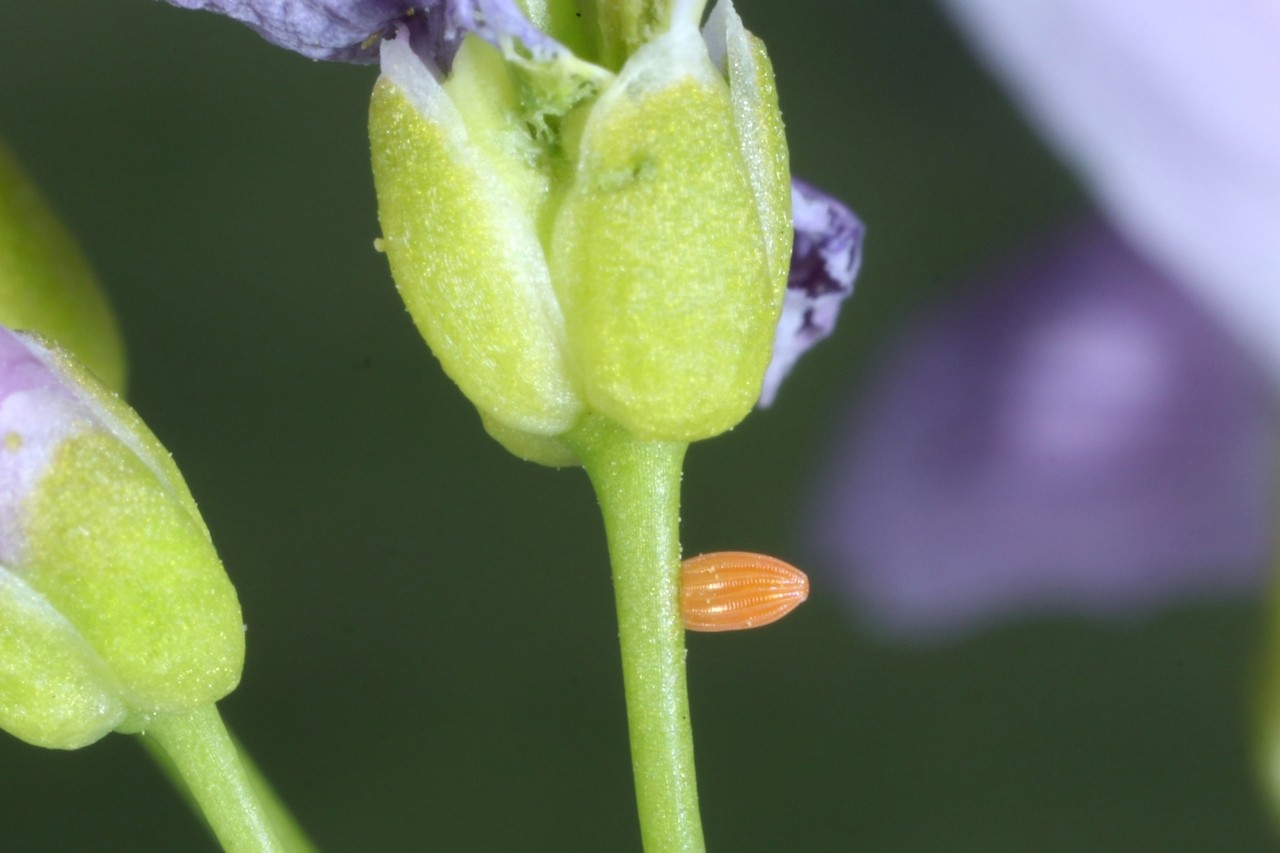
column 1077, row 436
column 1170, row 110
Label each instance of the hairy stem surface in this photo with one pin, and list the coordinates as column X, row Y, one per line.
column 638, row 486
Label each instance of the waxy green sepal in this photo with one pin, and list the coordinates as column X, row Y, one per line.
column 658, row 252
column 116, row 607
column 622, row 253
column 458, row 198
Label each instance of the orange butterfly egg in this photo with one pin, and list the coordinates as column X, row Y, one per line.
column 733, row 590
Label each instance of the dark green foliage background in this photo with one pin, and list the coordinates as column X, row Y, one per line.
column 432, row 654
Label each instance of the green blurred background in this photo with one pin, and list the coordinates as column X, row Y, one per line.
column 432, row 652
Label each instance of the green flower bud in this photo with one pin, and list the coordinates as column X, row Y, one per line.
column 46, row 284
column 114, row 608
column 590, row 242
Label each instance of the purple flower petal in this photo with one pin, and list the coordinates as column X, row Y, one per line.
column 1168, row 108
column 1077, row 437
column 825, row 259
column 349, row 30
column 319, row 29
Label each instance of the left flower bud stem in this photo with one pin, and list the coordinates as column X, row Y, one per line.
column 220, row 785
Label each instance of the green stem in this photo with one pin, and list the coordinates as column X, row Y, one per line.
column 217, row 780
column 638, row 486
column 290, row 834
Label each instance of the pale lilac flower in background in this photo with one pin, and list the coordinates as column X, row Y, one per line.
column 1170, row 111
column 1079, row 436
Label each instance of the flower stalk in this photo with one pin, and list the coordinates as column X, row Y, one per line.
column 288, row 832
column 218, row 782
column 637, row 483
